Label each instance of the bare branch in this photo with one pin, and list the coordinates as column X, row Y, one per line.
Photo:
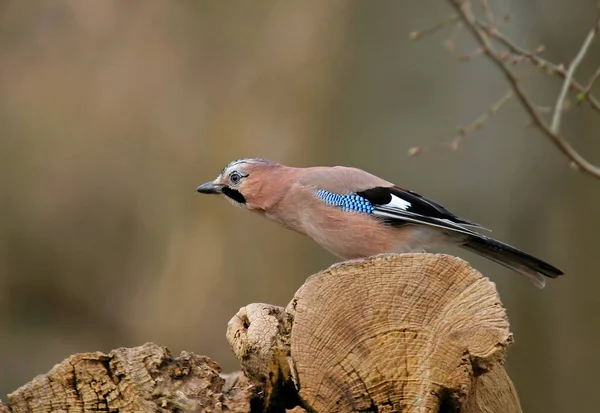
column 538, row 61
column 463, row 9
column 555, row 125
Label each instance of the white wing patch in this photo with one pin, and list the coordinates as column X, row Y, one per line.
column 399, row 203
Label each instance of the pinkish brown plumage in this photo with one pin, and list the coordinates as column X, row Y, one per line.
column 355, row 214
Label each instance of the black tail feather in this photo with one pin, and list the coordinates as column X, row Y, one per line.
column 517, row 260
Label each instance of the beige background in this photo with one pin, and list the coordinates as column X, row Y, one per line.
column 111, row 113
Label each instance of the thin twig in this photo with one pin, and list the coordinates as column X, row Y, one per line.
column 478, row 123
column 467, row 57
column 466, row 130
column 489, row 13
column 556, row 117
column 416, row 35
column 588, row 88
column 593, row 79
column 452, row 40
column 462, row 8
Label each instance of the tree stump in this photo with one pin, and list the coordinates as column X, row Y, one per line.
column 411, row 332
column 405, row 333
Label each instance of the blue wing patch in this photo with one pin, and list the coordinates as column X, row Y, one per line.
column 349, row 203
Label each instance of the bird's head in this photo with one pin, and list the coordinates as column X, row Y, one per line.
column 242, row 182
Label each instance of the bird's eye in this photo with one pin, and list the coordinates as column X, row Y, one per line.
column 235, row 177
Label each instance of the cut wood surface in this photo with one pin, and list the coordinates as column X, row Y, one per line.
column 409, row 333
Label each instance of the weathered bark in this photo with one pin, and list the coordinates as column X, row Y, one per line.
column 412, row 332
column 140, row 379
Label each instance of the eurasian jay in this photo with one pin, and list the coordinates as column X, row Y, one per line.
column 354, row 214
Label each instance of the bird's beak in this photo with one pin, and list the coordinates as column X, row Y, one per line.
column 209, row 188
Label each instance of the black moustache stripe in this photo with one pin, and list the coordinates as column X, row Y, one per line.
column 233, row 194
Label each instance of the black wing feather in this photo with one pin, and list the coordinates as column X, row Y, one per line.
column 424, row 206
column 419, row 209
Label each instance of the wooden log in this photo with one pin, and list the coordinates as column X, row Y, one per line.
column 140, row 379
column 411, row 332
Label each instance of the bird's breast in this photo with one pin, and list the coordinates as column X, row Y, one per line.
column 348, row 234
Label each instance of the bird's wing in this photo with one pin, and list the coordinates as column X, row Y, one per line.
column 401, row 205
column 392, row 203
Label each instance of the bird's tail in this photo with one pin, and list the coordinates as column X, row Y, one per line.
column 519, row 261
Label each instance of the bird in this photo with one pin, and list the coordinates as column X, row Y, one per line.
column 355, row 214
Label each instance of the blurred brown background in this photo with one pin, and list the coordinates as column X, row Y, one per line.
column 111, row 113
